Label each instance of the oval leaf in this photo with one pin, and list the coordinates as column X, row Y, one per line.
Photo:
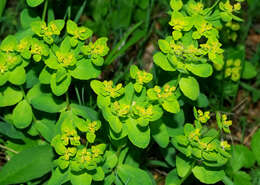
column 27, row 165
column 22, row 115
column 190, row 87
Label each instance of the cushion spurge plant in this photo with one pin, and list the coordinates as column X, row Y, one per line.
column 69, row 124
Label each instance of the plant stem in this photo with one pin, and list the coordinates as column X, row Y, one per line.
column 9, row 149
column 67, row 99
column 188, row 173
column 44, row 10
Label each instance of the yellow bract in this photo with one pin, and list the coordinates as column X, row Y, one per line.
column 195, row 135
column 225, row 145
column 65, row 59
column 121, row 110
column 3, row 68
column 203, row 117
column 113, row 91
column 70, row 152
column 166, row 92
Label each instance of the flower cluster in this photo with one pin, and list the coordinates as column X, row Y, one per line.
column 200, row 144
column 71, row 148
column 233, row 69
column 129, row 110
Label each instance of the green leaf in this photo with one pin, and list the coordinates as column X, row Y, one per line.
column 242, row 178
column 111, row 160
column 97, row 86
column 17, row 76
column 22, row 114
column 172, row 178
column 85, row 70
column 2, row 7
column 45, row 129
column 59, row 88
column 159, row 133
column 42, row 99
column 58, row 177
column 164, row 46
column 190, row 87
column 183, row 165
column 172, row 106
column 208, row 175
column 10, row 96
column 249, row 71
column 27, row 17
column 9, row 43
column 201, row 70
column 84, row 111
column 139, row 136
column 99, row 175
column 4, row 78
column 162, row 61
column 34, row 3
column 133, row 176
column 8, row 130
column 81, row 179
column 255, row 145
column 45, row 75
column 202, row 101
column 27, row 165
column 241, row 157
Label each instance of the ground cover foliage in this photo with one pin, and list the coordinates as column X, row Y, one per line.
column 129, row 92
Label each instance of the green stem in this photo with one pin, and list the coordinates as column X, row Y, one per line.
column 222, row 88
column 44, row 10
column 67, row 99
column 188, row 173
column 178, row 80
column 9, row 149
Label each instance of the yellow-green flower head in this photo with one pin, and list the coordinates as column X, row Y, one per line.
column 226, row 6
column 99, row 48
column 70, row 136
column 195, row 7
column 78, row 33
column 226, row 123
column 158, row 93
column 203, row 117
column 3, row 66
column 70, row 152
column 179, row 22
column 121, row 110
column 12, row 60
column 93, row 126
column 141, row 77
column 194, row 135
column 143, row 112
column 65, row 59
column 212, row 48
column 9, row 55
column 41, row 29
column 224, row 145
column 109, row 90
column 9, row 44
column 84, row 156
column 178, row 49
column 192, row 50
column 38, row 50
